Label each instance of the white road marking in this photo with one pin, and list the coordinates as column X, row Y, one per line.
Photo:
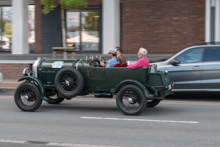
column 142, row 120
column 54, row 144
column 11, row 141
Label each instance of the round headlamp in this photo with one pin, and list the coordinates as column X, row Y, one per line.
column 27, row 72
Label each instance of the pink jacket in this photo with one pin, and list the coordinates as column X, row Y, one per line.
column 142, row 62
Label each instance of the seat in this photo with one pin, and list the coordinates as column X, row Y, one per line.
column 117, row 65
column 124, row 64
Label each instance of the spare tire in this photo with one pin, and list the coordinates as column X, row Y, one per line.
column 69, row 82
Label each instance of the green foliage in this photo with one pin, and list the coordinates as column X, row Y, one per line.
column 49, row 5
column 91, row 21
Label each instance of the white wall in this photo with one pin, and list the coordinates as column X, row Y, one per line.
column 111, row 24
column 217, row 21
column 20, row 27
column 207, row 21
column 216, row 5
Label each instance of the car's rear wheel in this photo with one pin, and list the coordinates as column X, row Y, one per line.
column 153, row 103
column 131, row 100
column 55, row 99
column 69, row 82
column 27, row 97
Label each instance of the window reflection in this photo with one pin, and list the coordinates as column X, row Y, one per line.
column 73, row 29
column 90, row 32
column 6, row 28
column 31, row 25
column 83, row 30
column 191, row 55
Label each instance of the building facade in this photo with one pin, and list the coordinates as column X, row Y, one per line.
column 161, row 26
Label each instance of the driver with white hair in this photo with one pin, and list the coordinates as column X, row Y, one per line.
column 143, row 61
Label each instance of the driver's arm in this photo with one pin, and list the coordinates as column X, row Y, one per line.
column 102, row 64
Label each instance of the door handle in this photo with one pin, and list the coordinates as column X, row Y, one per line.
column 196, row 67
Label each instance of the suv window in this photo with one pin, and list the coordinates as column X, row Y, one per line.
column 191, row 55
column 212, row 54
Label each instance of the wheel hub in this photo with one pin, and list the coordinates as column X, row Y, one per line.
column 69, row 82
column 29, row 97
column 132, row 99
column 26, row 97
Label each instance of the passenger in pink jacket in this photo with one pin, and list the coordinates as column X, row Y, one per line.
column 143, row 61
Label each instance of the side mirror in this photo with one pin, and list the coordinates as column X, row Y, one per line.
column 174, row 62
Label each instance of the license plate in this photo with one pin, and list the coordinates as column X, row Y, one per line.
column 170, row 86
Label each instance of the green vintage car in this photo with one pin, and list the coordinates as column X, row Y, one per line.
column 56, row 80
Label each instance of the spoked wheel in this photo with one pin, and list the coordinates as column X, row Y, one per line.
column 28, row 97
column 131, row 100
column 69, row 82
column 153, row 103
column 55, row 99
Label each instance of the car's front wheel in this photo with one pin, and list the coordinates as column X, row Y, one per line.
column 28, row 97
column 131, row 100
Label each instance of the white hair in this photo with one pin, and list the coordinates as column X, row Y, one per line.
column 143, row 51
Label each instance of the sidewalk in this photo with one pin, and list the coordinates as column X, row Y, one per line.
column 9, row 84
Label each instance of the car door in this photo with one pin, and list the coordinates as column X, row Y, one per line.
column 211, row 69
column 187, row 75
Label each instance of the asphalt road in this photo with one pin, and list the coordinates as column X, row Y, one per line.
column 90, row 122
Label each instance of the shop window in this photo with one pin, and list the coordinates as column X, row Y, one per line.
column 83, row 30
column 6, row 27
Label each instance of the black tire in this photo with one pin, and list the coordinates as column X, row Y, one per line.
column 153, row 103
column 136, row 99
column 28, row 97
column 54, row 99
column 69, row 82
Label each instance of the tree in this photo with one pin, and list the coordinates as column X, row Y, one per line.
column 49, row 5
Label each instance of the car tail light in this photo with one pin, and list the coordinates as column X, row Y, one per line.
column 173, row 85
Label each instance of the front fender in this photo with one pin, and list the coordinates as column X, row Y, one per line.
column 137, row 83
column 39, row 84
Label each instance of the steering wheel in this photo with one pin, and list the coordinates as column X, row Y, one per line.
column 102, row 59
column 95, row 64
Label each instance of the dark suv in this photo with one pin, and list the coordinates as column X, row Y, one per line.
column 194, row 69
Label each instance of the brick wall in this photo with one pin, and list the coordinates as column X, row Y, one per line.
column 13, row 71
column 38, row 27
column 161, row 26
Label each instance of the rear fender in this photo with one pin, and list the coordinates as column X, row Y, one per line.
column 137, row 83
column 38, row 84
